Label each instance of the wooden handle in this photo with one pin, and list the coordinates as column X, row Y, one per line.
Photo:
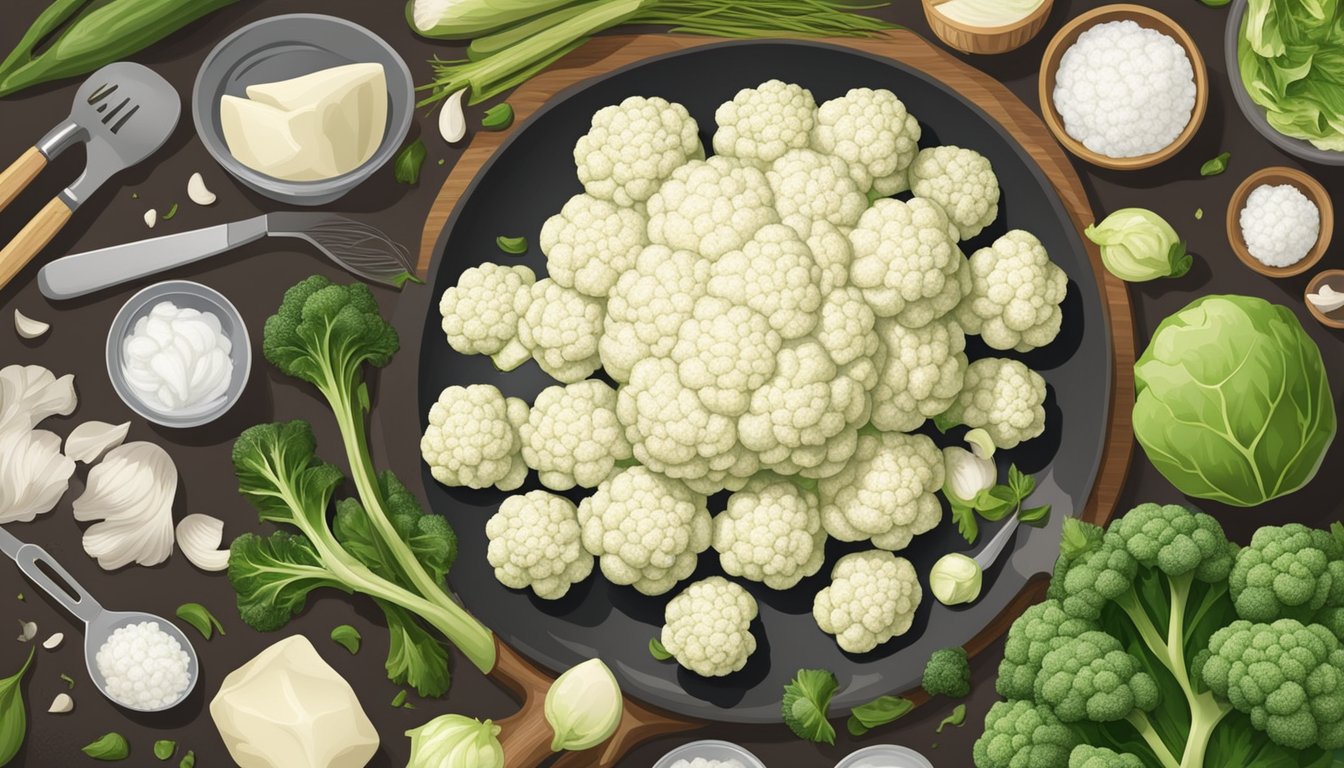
column 17, row 176
column 32, row 239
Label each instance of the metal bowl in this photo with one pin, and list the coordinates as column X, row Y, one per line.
column 710, row 749
column 1255, row 114
column 183, row 293
column 284, row 47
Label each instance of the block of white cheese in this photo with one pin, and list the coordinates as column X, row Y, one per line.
column 317, row 126
column 287, row 708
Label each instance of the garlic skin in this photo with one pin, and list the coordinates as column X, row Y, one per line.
column 27, row 631
column 54, row 642
column 197, row 191
column 130, row 495
column 33, row 474
column 151, row 218
column 199, row 537
column 452, row 121
column 92, row 439
column 31, row 393
column 29, row 328
column 61, row 705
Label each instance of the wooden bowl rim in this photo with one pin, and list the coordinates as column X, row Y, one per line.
column 1035, row 17
column 1054, row 53
column 1314, row 285
column 1307, row 185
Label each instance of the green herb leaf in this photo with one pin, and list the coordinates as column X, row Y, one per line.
column 109, row 747
column 1179, row 259
column 1078, row 538
column 996, row 503
column 1021, row 484
column 188, row 760
column 399, row 700
column 408, row 162
column 1215, row 166
column 878, row 712
column 514, row 246
column 348, row 637
column 170, row 214
column 873, row 196
column 13, row 715
column 164, row 748
column 806, row 700
column 1199, row 214
column 69, row 682
column 955, row 719
column 1215, row 3
column 199, row 616
column 964, row 518
column 1036, row 516
column 498, row 117
column 657, row 651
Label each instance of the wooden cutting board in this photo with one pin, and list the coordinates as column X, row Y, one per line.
column 526, row 735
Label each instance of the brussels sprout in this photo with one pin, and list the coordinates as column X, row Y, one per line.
column 456, row 741
column 1138, row 245
column 956, row 579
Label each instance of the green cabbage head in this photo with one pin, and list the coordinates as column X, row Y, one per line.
column 1233, row 402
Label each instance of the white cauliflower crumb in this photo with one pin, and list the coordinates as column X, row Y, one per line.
column 760, row 124
column 472, row 438
column 1279, row 224
column 648, row 305
column 872, row 131
column 872, row 598
column 590, row 242
column 572, row 436
column 707, row 628
column 962, row 181
column 886, row 491
column 1003, row 397
column 1016, row 292
column 632, row 147
column 811, row 187
column 481, row 312
column 771, row 532
column 561, row 327
column 535, row 543
column 711, row 207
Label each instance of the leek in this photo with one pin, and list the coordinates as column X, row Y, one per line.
column 459, row 19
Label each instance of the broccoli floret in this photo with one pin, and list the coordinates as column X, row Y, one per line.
column 1097, row 578
column 324, row 332
column 1087, row 756
column 1289, row 572
column 948, row 673
column 1090, row 677
column 1041, row 629
column 1177, row 541
column 1020, row 734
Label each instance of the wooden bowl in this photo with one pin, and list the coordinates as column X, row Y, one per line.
column 986, row 40
column 1306, row 185
column 1144, row 17
column 1335, row 278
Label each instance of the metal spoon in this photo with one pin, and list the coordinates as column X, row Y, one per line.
column 99, row 623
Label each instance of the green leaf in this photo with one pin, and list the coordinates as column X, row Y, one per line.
column 806, row 700
column 171, row 213
column 109, row 747
column 13, row 715
column 409, row 160
column 657, row 651
column 69, row 682
column 164, row 748
column 944, row 422
column 201, row 618
column 1036, row 516
column 878, row 712
column 414, row 656
column 996, row 503
column 188, row 760
column 1217, row 165
column 1078, row 538
column 1021, row 484
column 1215, row 3
column 498, row 117
column 1178, row 257
column 955, row 719
column 514, row 246
column 272, row 577
column 347, row 637
column 963, row 517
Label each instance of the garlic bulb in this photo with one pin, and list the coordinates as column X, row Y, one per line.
column 130, row 494
column 61, row 705
column 27, row 327
column 31, row 393
column 199, row 537
column 33, row 474
column 452, row 122
column 197, row 191
column 583, row 706
column 92, row 439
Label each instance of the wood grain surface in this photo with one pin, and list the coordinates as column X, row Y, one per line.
column 605, row 54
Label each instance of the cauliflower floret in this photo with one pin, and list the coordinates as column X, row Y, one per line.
column 872, row 131
column 924, row 372
column 760, row 124
column 962, row 181
column 711, row 207
column 805, row 419
column 480, row 313
column 561, row 327
column 672, row 431
column 1003, row 397
column 1016, row 292
column 775, row 274
column 907, row 262
column 648, row 305
column 633, row 146
column 833, row 253
column 872, row 598
column 848, row 333
column 724, row 352
column 472, row 438
column 572, row 436
column 810, row 186
column 885, row 492
column 535, row 542
column 646, row 530
column 707, row 628
column 771, row 532
column 590, row 242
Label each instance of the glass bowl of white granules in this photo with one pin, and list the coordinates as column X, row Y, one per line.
column 1123, row 87
column 143, row 663
column 709, row 753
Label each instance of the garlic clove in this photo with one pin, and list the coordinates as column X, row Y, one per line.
column 151, row 218
column 27, row 631
column 54, row 642
column 90, row 440
column 197, row 191
column 199, row 537
column 129, row 498
column 62, row 704
column 29, row 328
column 452, row 122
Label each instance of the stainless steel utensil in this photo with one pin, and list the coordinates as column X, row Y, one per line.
column 99, row 623
column 355, row 246
column 122, row 114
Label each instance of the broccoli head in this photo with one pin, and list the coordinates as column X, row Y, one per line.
column 1087, row 756
column 1020, row 734
column 1092, row 678
column 1176, row 540
column 1041, row 629
column 1097, row 578
column 1289, row 572
column 948, row 673
column 1288, row 676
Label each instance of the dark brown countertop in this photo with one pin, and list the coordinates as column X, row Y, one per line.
column 254, row 278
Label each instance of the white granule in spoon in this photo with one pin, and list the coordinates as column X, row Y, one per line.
column 1279, row 224
column 144, row 667
column 1125, row 91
